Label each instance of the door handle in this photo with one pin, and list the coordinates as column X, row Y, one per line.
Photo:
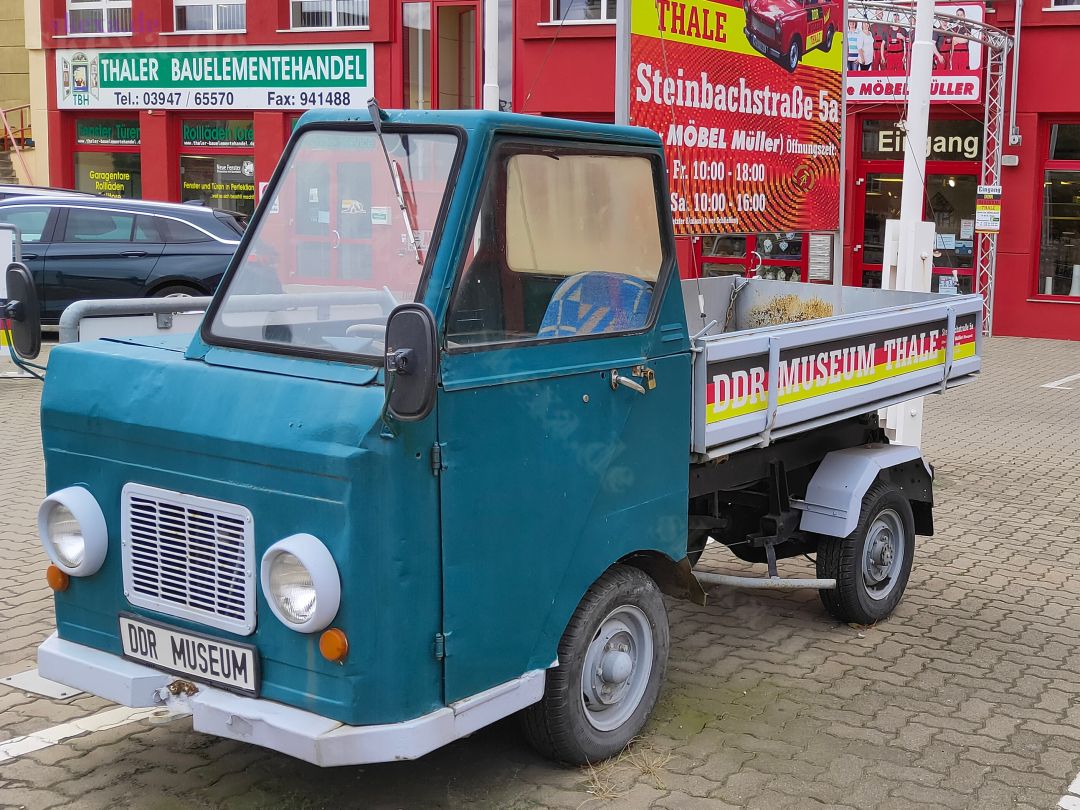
column 29, row 255
column 618, row 379
column 133, row 254
column 647, row 375
column 856, row 249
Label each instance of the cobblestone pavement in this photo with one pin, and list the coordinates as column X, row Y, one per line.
column 968, row 697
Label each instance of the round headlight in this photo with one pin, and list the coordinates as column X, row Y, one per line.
column 73, row 531
column 66, row 536
column 292, row 588
column 301, row 583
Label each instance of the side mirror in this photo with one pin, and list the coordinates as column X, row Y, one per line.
column 412, row 362
column 22, row 310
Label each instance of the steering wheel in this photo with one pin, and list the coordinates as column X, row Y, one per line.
column 373, row 332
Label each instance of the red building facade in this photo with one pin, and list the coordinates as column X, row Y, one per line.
column 188, row 141
column 571, row 72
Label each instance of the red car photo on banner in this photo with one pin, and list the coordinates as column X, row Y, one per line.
column 747, row 98
column 878, row 58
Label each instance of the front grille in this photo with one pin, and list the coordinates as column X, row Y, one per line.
column 763, row 26
column 189, row 557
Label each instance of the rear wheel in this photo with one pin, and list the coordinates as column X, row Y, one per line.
column 871, row 565
column 826, row 44
column 612, row 660
column 176, row 291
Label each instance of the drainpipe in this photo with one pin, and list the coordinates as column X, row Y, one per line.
column 1014, row 130
column 491, row 54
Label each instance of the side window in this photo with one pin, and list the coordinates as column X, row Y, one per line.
column 174, row 231
column 96, row 225
column 30, row 220
column 545, row 261
column 146, row 230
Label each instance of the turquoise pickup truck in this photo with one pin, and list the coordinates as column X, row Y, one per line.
column 449, row 431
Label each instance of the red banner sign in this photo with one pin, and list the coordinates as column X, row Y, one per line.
column 747, row 98
column 879, row 57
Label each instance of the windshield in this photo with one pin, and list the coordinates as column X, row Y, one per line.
column 330, row 256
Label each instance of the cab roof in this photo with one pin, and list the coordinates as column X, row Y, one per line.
column 483, row 122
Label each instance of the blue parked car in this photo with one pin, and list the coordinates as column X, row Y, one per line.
column 95, row 247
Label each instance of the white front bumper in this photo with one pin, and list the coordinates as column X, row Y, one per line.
column 292, row 731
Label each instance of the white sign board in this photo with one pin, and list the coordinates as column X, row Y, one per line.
column 290, row 77
column 9, row 252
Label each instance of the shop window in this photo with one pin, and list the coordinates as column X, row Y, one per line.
column 329, row 13
column 1065, row 4
column 543, row 262
column 198, row 15
column 1059, row 249
column 575, row 11
column 220, row 181
column 222, row 172
column 111, row 174
column 98, row 17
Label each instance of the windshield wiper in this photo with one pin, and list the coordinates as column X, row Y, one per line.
column 394, row 168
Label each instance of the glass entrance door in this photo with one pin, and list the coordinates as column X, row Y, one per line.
column 949, row 203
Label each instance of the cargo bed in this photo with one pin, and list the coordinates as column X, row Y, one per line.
column 880, row 347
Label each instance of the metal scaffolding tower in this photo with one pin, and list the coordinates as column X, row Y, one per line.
column 997, row 45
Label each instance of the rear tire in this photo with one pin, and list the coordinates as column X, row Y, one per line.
column 176, row 291
column 612, row 660
column 871, row 565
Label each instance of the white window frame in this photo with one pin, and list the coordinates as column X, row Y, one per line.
column 335, row 25
column 104, row 6
column 1063, row 5
column 554, row 17
column 216, row 6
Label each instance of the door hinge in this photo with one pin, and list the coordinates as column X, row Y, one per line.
column 437, row 465
column 440, row 646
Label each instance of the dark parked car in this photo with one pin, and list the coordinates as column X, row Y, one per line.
column 7, row 191
column 94, row 247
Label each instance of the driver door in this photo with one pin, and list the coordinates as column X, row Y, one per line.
column 551, row 466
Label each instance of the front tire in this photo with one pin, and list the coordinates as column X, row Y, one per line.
column 871, row 565
column 612, row 660
column 794, row 54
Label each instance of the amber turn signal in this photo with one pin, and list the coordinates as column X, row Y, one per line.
column 58, row 580
column 334, row 645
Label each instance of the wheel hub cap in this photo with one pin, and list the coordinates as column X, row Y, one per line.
column 883, row 554
column 617, row 667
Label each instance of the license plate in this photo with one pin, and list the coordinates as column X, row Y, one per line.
column 757, row 43
column 183, row 652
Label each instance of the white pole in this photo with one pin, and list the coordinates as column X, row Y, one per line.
column 491, row 54
column 916, row 241
column 910, row 272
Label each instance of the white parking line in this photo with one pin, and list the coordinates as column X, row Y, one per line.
column 1060, row 384
column 1071, row 801
column 101, row 721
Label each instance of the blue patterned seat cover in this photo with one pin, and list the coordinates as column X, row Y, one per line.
column 591, row 303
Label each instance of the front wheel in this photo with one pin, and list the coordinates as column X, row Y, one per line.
column 612, row 660
column 871, row 565
column 794, row 54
